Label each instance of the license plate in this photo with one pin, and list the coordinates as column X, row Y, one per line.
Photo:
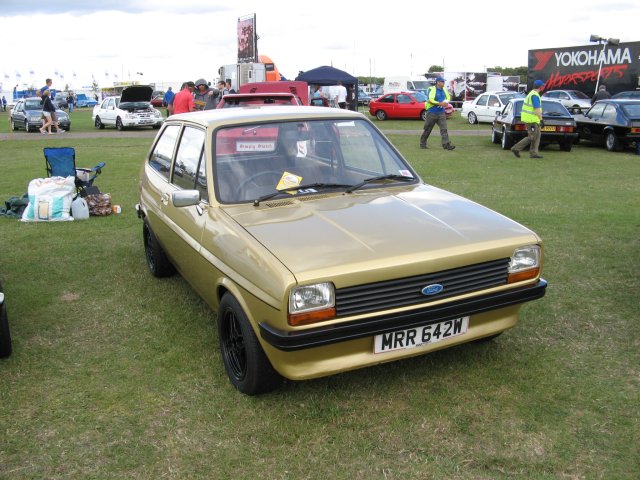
column 416, row 337
column 548, row 129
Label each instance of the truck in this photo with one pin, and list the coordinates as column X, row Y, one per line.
column 242, row 73
column 583, row 67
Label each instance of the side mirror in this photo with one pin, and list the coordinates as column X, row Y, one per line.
column 185, row 198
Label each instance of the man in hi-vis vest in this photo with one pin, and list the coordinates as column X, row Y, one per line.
column 531, row 116
column 437, row 99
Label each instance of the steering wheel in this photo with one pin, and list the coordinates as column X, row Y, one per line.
column 252, row 179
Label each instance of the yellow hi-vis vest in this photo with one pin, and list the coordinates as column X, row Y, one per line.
column 528, row 114
column 431, row 97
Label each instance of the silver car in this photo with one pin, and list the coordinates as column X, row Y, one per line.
column 27, row 115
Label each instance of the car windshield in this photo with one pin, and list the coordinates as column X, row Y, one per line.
column 420, row 97
column 632, row 109
column 301, row 158
column 505, row 97
column 578, row 94
column 421, row 85
column 120, row 104
column 33, row 104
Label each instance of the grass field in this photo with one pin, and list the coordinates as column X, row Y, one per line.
column 116, row 374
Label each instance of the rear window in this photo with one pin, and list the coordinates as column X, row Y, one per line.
column 633, row 110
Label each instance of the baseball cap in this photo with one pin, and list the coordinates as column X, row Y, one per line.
column 440, row 79
column 538, row 83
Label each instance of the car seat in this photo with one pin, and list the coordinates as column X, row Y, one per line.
column 61, row 162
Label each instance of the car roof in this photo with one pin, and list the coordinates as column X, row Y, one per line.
column 262, row 113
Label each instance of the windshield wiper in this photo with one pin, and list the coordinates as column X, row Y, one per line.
column 379, row 179
column 295, row 188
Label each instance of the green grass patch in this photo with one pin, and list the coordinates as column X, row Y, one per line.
column 116, row 374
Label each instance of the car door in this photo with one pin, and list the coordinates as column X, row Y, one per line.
column 589, row 125
column 109, row 111
column 479, row 107
column 18, row 114
column 187, row 223
column 406, row 106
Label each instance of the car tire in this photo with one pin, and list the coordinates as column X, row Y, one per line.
column 611, row 141
column 423, row 115
column 5, row 335
column 507, row 142
column 26, row 126
column 157, row 261
column 472, row 119
column 494, row 136
column 14, row 127
column 381, row 115
column 98, row 123
column 566, row 145
column 244, row 359
column 119, row 125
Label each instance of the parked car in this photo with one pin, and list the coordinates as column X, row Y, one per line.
column 575, row 100
column 484, row 107
column 376, row 92
column 614, row 123
column 559, row 126
column 5, row 334
column 60, row 101
column 82, row 100
column 157, row 101
column 631, row 95
column 320, row 247
column 363, row 98
column 244, row 99
column 402, row 105
column 27, row 115
column 132, row 109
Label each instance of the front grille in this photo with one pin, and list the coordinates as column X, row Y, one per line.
column 402, row 292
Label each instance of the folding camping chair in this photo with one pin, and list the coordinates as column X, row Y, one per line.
column 61, row 162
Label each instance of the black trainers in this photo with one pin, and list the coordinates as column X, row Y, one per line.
column 535, row 155
column 515, row 152
column 448, row 146
column 424, row 147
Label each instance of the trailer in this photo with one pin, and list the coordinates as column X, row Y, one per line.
column 242, row 73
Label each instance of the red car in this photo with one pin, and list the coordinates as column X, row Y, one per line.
column 401, row 105
column 157, row 101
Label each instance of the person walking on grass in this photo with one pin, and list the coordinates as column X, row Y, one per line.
column 47, row 109
column 531, row 116
column 438, row 98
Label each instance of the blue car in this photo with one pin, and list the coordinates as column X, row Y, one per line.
column 83, row 101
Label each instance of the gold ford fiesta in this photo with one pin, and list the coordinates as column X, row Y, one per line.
column 320, row 247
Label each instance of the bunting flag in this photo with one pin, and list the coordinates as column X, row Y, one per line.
column 74, row 74
column 18, row 74
column 106, row 74
column 31, row 72
column 6, row 77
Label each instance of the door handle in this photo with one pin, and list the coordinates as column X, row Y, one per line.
column 164, row 198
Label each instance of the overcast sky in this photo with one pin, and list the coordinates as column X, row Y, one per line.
column 177, row 40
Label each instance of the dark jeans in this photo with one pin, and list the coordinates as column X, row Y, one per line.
column 432, row 119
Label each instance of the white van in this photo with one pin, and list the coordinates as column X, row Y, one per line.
column 405, row 84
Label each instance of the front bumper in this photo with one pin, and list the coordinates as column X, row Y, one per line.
column 316, row 337
column 142, row 122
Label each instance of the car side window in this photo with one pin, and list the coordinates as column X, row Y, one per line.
column 609, row 115
column 387, row 99
column 188, row 158
column 482, row 101
column 404, row 99
column 160, row 159
column 493, row 101
column 596, row 111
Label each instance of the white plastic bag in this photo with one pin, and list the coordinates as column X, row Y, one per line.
column 50, row 199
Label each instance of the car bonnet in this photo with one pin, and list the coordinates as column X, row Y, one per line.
column 376, row 228
column 136, row 93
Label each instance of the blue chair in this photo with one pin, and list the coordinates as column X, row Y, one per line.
column 61, row 162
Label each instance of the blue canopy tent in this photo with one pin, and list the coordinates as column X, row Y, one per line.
column 325, row 76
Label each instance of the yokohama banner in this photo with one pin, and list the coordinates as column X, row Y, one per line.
column 576, row 68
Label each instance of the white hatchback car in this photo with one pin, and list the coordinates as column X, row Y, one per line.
column 575, row 100
column 485, row 106
column 131, row 109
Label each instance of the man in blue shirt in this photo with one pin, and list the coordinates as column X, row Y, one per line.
column 167, row 99
column 438, row 98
